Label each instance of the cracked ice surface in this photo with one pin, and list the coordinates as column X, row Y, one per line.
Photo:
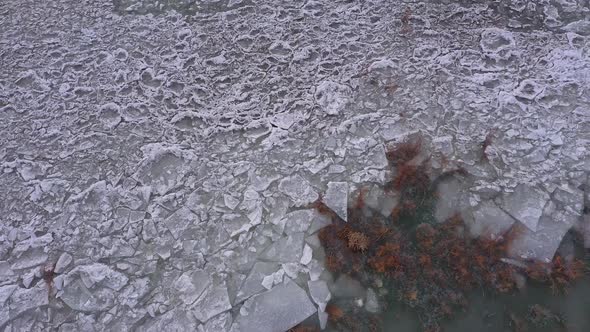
column 165, row 162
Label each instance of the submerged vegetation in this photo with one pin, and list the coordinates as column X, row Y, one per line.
column 430, row 267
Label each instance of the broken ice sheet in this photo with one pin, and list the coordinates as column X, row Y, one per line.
column 278, row 309
column 298, row 189
column 526, row 205
column 376, row 157
column 298, row 221
column 176, row 319
column 212, row 302
column 317, row 164
column 190, row 285
column 253, row 283
column 336, row 198
column 489, row 220
column 543, row 243
column 285, row 250
column 180, row 220
column 450, row 199
column 163, row 167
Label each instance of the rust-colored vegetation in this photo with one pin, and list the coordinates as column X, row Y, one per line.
column 48, row 273
column 430, row 266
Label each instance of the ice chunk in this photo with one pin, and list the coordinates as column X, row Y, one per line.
column 253, row 283
column 307, row 255
column 102, row 275
column 230, row 201
column 285, row 250
column 23, row 299
column 278, row 309
column 291, row 269
column 543, row 243
column 5, row 292
column 449, row 199
column 336, row 198
column 110, row 115
column 570, row 198
column 490, row 220
column 190, row 285
column 376, row 157
column 298, row 190
column 381, row 200
column 163, row 168
column 180, row 220
column 319, row 221
column 298, row 221
column 323, row 319
column 332, row 96
column 78, row 297
column 220, row 323
column 372, row 303
column 319, row 291
column 495, row 40
column 346, row 287
column 212, row 302
column 31, row 252
column 315, row 269
column 176, row 319
column 64, row 260
column 526, row 204
column 317, row 164
column 268, row 281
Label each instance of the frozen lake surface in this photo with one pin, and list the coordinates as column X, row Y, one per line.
column 158, row 159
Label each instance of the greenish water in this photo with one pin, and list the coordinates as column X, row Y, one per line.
column 492, row 312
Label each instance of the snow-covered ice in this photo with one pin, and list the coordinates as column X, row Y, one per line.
column 162, row 156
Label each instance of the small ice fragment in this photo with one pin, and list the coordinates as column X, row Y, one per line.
column 323, row 318
column 190, row 285
column 268, row 281
column 291, row 269
column 307, row 255
column 230, row 201
column 64, row 260
column 372, row 303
